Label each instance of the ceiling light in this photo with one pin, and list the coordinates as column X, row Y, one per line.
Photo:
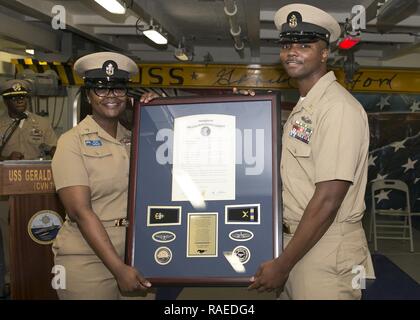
column 156, row 36
column 113, row 6
column 30, row 51
column 183, row 54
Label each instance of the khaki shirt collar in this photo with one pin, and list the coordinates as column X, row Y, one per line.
column 6, row 118
column 317, row 91
column 89, row 125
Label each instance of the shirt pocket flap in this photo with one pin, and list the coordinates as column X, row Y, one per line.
column 299, row 149
column 96, row 152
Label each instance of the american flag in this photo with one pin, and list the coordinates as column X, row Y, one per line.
column 395, row 147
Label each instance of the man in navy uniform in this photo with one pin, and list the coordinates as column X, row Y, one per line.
column 23, row 134
column 323, row 168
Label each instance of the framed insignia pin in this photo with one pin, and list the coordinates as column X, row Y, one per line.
column 204, row 205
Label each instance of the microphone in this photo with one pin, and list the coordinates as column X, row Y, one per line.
column 21, row 116
column 44, row 149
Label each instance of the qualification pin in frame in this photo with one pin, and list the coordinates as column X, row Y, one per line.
column 204, row 184
column 158, row 216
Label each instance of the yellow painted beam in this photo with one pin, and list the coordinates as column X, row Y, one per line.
column 384, row 80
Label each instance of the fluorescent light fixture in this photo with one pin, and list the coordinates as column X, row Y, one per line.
column 30, row 51
column 113, row 6
column 155, row 36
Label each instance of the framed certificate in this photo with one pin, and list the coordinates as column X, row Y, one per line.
column 204, row 205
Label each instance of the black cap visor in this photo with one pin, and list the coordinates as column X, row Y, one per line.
column 11, row 94
column 301, row 37
column 105, row 83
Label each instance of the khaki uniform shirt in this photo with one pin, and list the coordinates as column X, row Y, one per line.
column 30, row 133
column 325, row 138
column 88, row 156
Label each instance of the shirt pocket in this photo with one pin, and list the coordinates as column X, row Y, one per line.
column 99, row 162
column 35, row 135
column 298, row 149
column 96, row 152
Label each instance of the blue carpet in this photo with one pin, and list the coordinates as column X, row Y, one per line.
column 168, row 293
column 391, row 282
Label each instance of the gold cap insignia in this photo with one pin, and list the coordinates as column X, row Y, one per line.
column 293, row 22
column 17, row 87
column 109, row 69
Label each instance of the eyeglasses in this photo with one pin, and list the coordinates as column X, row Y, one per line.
column 105, row 92
column 15, row 98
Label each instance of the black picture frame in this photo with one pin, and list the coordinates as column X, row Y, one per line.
column 158, row 235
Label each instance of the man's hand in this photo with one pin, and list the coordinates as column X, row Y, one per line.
column 129, row 280
column 245, row 92
column 15, row 155
column 148, row 96
column 270, row 276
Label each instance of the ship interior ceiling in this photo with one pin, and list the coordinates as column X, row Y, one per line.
column 212, row 46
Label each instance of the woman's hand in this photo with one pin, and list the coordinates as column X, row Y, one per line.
column 129, row 280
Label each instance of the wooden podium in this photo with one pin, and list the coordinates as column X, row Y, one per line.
column 35, row 212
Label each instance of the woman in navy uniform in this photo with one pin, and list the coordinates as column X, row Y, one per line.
column 91, row 169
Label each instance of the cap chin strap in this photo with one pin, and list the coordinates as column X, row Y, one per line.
column 105, row 83
column 302, row 37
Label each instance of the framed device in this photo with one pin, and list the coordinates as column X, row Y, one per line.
column 204, row 194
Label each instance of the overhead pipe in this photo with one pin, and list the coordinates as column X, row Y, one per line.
column 231, row 11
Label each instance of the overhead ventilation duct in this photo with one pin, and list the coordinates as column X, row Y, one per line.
column 394, row 11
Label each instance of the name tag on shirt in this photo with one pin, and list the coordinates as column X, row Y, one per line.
column 36, row 132
column 93, row 143
column 301, row 131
